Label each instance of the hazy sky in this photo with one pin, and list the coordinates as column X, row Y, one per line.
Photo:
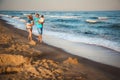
column 60, row 5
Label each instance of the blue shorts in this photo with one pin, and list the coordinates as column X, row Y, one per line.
column 40, row 30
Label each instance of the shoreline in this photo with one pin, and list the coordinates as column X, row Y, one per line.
column 93, row 52
column 57, row 54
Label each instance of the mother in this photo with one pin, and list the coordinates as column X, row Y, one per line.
column 29, row 25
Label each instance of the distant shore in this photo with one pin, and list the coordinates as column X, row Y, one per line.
column 86, row 69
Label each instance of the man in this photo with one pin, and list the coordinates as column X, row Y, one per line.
column 39, row 23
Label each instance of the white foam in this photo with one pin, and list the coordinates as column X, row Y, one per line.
column 65, row 17
column 86, row 39
column 3, row 15
column 22, row 20
column 16, row 17
column 92, row 21
column 102, row 18
column 92, row 52
column 26, row 14
column 15, row 21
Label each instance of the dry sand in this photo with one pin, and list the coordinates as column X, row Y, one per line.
column 21, row 60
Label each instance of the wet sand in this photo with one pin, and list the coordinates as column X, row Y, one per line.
column 73, row 67
column 90, row 51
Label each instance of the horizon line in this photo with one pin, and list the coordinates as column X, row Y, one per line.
column 60, row 10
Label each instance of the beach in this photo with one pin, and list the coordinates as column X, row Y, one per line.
column 43, row 61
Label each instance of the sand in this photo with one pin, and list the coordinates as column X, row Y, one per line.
column 20, row 60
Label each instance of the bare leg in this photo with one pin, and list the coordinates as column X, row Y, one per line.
column 30, row 34
column 40, row 38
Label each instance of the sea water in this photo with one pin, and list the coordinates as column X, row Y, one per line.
column 99, row 28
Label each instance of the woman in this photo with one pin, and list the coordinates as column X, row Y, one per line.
column 39, row 23
column 29, row 25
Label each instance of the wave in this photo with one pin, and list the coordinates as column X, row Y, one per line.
column 66, row 17
column 16, row 21
column 22, row 20
column 99, row 18
column 92, row 21
column 15, row 17
column 3, row 15
column 103, row 18
column 86, row 39
column 26, row 14
column 66, row 20
column 94, row 17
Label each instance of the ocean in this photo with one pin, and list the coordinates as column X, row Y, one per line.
column 100, row 28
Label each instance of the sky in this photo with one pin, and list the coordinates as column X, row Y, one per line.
column 60, row 5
